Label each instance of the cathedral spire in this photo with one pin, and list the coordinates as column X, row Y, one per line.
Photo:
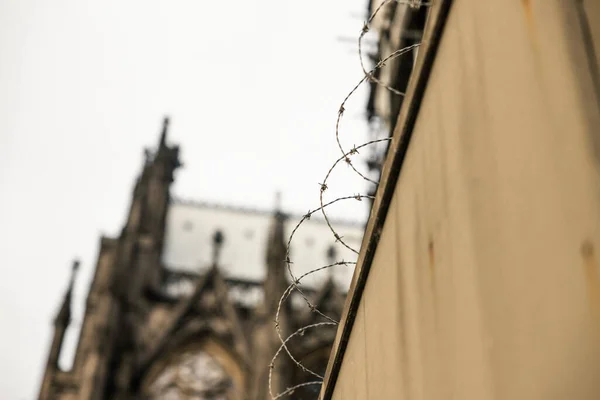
column 266, row 341
column 331, row 259
column 61, row 322
column 278, row 202
column 276, row 248
column 276, row 282
column 147, row 219
column 63, row 318
column 163, row 135
column 217, row 242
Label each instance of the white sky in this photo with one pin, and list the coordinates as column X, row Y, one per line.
column 253, row 89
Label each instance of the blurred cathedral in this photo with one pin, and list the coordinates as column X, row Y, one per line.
column 182, row 302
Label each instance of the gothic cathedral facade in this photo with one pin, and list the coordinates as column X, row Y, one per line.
column 152, row 331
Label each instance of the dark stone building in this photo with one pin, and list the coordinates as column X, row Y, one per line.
column 182, row 302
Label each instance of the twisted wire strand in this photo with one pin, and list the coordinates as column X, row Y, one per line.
column 324, row 187
column 292, row 389
column 299, row 331
column 379, row 64
column 293, row 286
column 296, row 281
column 367, row 27
column 369, row 75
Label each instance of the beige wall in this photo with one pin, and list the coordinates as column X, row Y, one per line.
column 485, row 282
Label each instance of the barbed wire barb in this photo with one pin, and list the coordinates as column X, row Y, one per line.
column 296, row 282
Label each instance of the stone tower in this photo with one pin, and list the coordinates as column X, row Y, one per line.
column 153, row 331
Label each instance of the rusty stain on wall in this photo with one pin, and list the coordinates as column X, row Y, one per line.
column 528, row 9
column 590, row 266
column 431, row 253
column 432, row 279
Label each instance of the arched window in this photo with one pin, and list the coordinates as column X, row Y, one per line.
column 197, row 371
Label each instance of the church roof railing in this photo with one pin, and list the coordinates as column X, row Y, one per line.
column 257, row 211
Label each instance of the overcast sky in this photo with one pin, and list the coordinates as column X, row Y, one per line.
column 252, row 88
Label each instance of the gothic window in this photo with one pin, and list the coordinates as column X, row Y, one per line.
column 192, row 375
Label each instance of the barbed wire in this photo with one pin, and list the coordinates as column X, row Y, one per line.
column 292, row 389
column 324, row 187
column 284, row 297
column 366, row 29
column 295, row 285
column 380, row 64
